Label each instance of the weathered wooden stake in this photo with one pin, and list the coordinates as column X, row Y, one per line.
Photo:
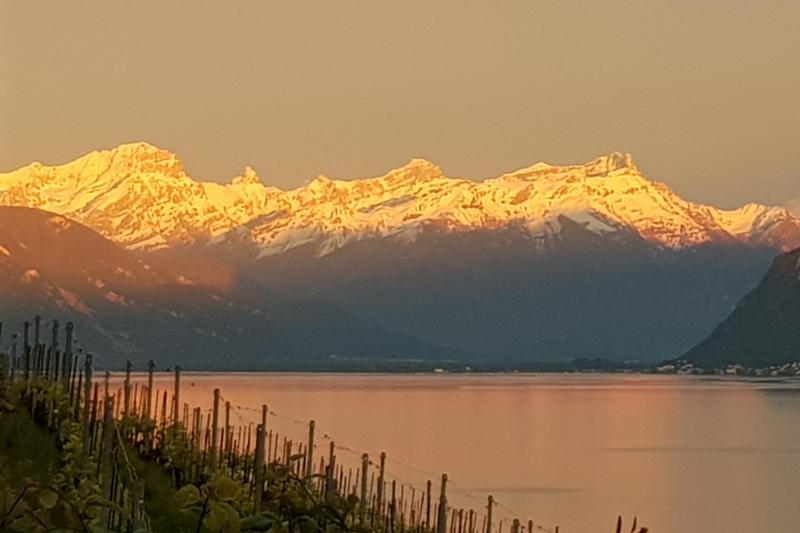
column 381, row 479
column 47, row 364
column 67, row 357
column 87, row 391
column 106, row 464
column 214, row 430
column 151, row 366
column 26, row 342
column 37, row 325
column 489, row 509
column 310, row 451
column 126, row 411
column 77, row 402
column 330, row 473
column 14, row 362
column 135, row 405
column 428, row 504
column 259, row 469
column 106, row 384
column 441, row 524
column 54, row 341
column 393, row 506
column 228, row 438
column 75, row 390
column 26, row 373
column 362, row 504
column 176, row 397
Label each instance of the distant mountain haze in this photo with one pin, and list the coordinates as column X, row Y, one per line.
column 546, row 262
column 194, row 311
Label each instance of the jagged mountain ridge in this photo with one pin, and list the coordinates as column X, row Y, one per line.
column 764, row 328
column 140, row 196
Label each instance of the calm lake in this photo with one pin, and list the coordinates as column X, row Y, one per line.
column 684, row 454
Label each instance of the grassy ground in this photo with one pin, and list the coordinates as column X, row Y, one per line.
column 160, row 499
column 26, row 450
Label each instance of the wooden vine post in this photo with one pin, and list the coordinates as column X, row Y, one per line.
column 14, row 362
column 54, row 352
column 106, row 464
column 87, row 391
column 259, row 469
column 214, row 432
column 330, row 474
column 26, row 352
column 151, row 366
column 362, row 503
column 126, row 409
column 441, row 522
column 37, row 327
column 176, row 397
column 489, row 508
column 381, row 481
column 310, row 451
column 66, row 362
column 227, row 440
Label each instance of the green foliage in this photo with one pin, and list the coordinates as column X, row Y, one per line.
column 175, row 449
column 26, row 450
column 222, row 504
column 66, row 495
column 48, row 507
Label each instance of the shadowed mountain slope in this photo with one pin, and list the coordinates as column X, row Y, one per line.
column 764, row 329
column 175, row 309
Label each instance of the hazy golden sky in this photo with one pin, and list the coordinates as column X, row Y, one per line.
column 704, row 94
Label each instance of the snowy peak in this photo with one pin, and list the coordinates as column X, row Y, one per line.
column 249, row 177
column 606, row 164
column 140, row 196
column 416, row 169
column 143, row 157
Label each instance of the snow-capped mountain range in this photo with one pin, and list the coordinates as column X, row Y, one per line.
column 141, row 197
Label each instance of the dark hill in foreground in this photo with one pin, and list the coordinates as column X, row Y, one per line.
column 764, row 329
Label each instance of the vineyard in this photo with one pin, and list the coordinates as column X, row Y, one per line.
column 136, row 459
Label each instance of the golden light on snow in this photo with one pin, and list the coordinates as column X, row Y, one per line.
column 140, row 196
